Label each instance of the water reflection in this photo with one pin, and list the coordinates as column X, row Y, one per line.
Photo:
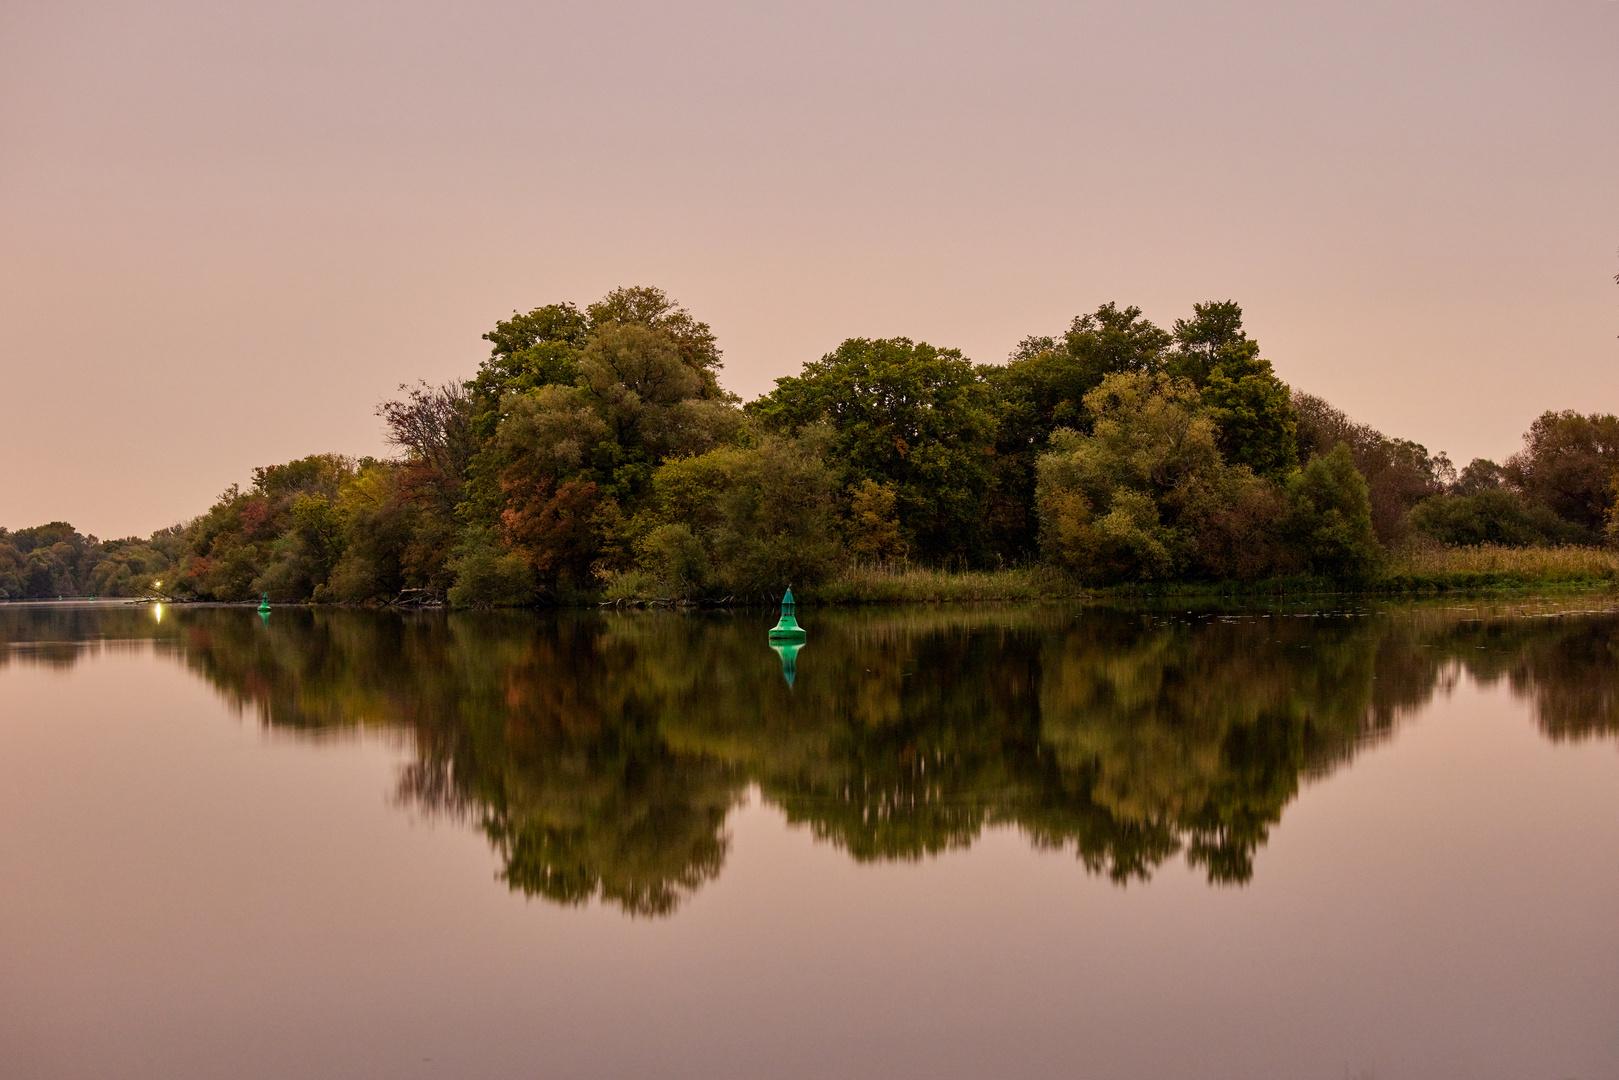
column 601, row 754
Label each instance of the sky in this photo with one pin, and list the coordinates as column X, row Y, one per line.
column 228, row 230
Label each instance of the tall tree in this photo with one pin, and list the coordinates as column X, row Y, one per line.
column 903, row 412
column 1568, row 463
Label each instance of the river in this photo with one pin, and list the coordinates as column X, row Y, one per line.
column 1345, row 840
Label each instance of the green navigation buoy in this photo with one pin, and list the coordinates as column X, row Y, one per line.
column 264, row 605
column 787, row 630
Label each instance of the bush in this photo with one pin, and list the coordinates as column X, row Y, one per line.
column 487, row 577
column 674, row 559
column 1492, row 516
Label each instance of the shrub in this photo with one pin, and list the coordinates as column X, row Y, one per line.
column 674, row 558
column 487, row 577
column 1492, row 516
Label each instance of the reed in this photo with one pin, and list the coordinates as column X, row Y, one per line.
column 889, row 584
column 1491, row 566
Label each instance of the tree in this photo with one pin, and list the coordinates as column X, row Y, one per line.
column 1133, row 498
column 549, row 526
column 1332, row 517
column 433, row 424
column 1399, row 473
column 529, row 351
column 906, row 413
column 1481, row 474
column 1491, row 515
column 651, row 309
column 1252, row 407
column 746, row 519
column 1116, row 341
column 1567, row 463
column 1254, row 411
column 1203, row 340
column 874, row 531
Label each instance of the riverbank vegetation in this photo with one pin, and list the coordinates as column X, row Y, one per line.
column 594, row 455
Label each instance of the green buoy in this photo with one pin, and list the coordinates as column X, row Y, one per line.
column 787, row 630
column 264, row 605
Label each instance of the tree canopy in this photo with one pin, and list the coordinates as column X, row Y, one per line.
column 594, row 452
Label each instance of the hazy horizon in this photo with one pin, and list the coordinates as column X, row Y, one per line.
column 229, row 233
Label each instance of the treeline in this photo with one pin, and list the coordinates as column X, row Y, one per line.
column 595, row 453
column 54, row 560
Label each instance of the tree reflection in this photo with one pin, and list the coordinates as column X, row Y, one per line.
column 601, row 754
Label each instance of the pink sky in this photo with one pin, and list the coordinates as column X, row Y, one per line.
column 227, row 231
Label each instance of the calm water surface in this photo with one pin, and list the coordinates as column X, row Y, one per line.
column 1007, row 841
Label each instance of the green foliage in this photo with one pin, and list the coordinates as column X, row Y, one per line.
column 53, row 560
column 905, row 413
column 1253, row 410
column 742, row 520
column 873, row 528
column 529, row 351
column 1399, row 473
column 594, row 449
column 1251, row 406
column 650, row 308
column 488, row 576
column 282, row 537
column 1567, row 464
column 1332, row 517
column 675, row 561
column 1146, row 494
column 1115, row 341
column 1492, row 516
column 1044, row 383
column 1043, row 387
column 1209, row 339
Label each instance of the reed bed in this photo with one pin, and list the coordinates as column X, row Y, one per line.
column 1490, row 566
column 1413, row 570
column 876, row 584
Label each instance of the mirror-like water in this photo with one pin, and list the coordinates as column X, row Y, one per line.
column 1031, row 841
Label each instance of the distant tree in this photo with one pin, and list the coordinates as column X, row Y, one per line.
column 1254, row 412
column 1567, row 463
column 1252, row 407
column 1203, row 340
column 487, row 575
column 744, row 519
column 874, row 529
column 1481, row 474
column 1044, row 383
column 1045, row 380
column 1117, row 341
column 1398, row 473
column 651, row 309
